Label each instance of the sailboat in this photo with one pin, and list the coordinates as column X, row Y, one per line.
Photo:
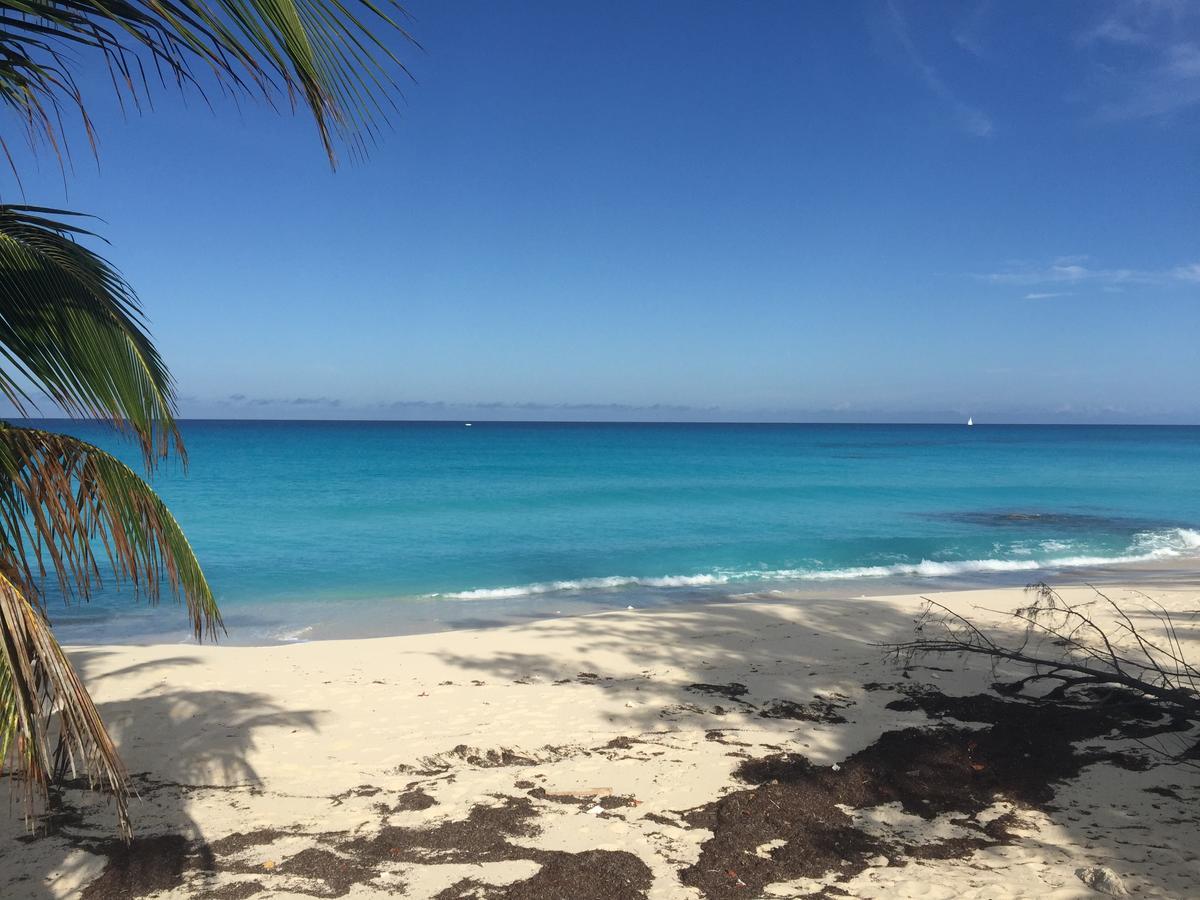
column 970, row 421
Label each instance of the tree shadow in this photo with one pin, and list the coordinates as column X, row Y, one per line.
column 173, row 742
column 802, row 677
column 747, row 660
column 777, row 649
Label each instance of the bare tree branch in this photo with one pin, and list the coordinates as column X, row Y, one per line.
column 1069, row 645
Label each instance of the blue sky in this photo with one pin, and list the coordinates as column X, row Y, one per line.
column 851, row 211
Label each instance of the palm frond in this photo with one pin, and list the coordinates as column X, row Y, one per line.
column 72, row 328
column 44, row 703
column 328, row 55
column 67, row 506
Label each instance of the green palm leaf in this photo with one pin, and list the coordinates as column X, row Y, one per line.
column 68, row 507
column 326, row 54
column 71, row 328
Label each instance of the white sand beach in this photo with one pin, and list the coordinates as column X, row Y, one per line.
column 473, row 763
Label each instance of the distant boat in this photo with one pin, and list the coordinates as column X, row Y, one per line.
column 970, row 421
column 468, row 424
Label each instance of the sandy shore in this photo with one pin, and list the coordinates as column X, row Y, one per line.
column 629, row 754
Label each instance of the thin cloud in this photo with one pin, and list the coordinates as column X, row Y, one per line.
column 1071, row 270
column 970, row 119
column 533, row 406
column 968, row 34
column 245, row 400
column 1146, row 59
column 1047, row 295
column 1111, row 30
column 436, row 406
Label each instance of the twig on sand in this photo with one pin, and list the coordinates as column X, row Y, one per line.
column 1087, row 658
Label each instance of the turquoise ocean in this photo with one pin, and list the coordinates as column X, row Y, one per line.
column 329, row 529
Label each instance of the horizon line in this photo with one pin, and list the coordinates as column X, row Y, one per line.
column 464, row 421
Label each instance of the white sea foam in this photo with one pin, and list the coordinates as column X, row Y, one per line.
column 1146, row 547
column 611, row 582
column 1173, row 541
column 926, row 568
column 294, row 635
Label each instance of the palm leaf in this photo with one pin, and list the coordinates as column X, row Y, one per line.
column 38, row 686
column 327, row 54
column 71, row 328
column 67, row 507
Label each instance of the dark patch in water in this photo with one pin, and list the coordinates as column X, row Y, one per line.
column 1068, row 521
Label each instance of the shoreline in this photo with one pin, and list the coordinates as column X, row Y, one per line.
column 281, row 623
column 597, row 749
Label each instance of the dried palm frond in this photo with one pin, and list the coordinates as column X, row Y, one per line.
column 44, row 705
column 67, row 506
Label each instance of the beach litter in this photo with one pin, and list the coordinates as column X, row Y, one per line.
column 1102, row 879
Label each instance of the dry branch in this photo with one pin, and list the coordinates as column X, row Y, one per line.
column 1072, row 646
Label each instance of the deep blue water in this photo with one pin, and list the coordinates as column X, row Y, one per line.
column 320, row 528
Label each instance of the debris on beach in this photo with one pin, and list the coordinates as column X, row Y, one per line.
column 1102, row 879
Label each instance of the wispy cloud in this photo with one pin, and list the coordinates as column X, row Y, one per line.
column 968, row 32
column 1187, row 273
column 1073, row 270
column 533, row 406
column 450, row 406
column 1047, row 295
column 969, row 118
column 244, row 400
column 1146, row 56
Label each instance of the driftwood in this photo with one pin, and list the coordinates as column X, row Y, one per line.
column 1066, row 644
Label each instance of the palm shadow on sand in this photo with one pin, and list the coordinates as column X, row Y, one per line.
column 203, row 740
column 716, row 670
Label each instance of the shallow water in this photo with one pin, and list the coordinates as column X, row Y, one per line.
column 318, row 529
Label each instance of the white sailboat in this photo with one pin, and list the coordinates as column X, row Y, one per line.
column 970, row 421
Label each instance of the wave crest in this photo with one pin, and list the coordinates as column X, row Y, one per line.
column 1146, row 547
column 612, row 582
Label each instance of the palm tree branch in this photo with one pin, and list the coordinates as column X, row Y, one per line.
column 38, row 685
column 72, row 328
column 68, row 506
column 329, row 53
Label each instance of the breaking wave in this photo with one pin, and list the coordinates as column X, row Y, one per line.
column 612, row 582
column 1145, row 547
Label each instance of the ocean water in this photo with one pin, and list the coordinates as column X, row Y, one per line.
column 324, row 529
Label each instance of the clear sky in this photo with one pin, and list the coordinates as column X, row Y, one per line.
column 695, row 210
